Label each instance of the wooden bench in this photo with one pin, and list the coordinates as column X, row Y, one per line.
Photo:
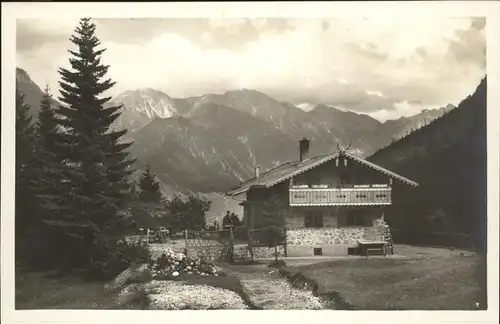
column 372, row 247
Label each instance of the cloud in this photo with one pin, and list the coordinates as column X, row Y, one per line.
column 231, row 26
column 366, row 65
column 374, row 93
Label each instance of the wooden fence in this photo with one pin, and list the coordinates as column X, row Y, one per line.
column 232, row 244
column 222, row 245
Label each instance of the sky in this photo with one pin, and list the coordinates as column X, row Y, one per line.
column 386, row 68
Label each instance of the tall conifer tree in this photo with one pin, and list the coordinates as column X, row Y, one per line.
column 96, row 166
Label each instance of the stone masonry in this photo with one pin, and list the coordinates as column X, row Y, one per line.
column 332, row 235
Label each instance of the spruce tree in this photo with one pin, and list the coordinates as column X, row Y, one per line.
column 49, row 190
column 52, row 181
column 47, row 128
column 150, row 188
column 96, row 166
column 25, row 132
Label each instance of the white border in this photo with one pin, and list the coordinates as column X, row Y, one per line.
column 47, row 10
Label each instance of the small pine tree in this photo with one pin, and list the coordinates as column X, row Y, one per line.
column 25, row 132
column 150, row 187
column 47, row 127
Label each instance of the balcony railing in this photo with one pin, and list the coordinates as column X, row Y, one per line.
column 366, row 195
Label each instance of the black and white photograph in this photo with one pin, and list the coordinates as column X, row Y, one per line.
column 259, row 162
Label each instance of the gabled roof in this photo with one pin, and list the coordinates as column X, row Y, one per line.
column 289, row 169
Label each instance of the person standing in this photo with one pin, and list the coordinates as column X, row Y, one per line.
column 226, row 220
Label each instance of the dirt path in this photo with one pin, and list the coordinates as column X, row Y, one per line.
column 267, row 290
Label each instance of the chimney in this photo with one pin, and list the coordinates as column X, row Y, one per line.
column 257, row 171
column 304, row 149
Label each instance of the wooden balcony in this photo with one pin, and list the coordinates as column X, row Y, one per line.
column 362, row 195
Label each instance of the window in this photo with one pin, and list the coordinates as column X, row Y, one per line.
column 320, row 196
column 314, row 219
column 354, row 251
column 318, row 251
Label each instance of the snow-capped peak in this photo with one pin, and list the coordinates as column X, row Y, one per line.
column 149, row 102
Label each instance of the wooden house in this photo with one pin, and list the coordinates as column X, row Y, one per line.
column 331, row 203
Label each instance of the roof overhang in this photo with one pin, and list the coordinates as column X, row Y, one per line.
column 242, row 188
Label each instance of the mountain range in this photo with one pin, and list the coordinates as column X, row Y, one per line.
column 209, row 143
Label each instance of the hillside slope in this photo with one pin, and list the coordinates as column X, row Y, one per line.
column 448, row 159
column 210, row 151
column 32, row 92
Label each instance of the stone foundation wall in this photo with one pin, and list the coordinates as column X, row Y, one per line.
column 300, row 241
column 325, row 236
column 331, row 235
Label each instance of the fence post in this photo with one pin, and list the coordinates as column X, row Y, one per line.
column 250, row 243
column 285, row 244
column 186, row 242
column 231, row 244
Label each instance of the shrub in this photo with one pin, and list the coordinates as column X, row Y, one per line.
column 111, row 261
column 134, row 252
column 187, row 213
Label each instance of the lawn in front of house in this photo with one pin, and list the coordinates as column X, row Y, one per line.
column 39, row 290
column 424, row 281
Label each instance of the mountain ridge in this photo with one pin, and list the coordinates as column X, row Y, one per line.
column 32, row 92
column 219, row 138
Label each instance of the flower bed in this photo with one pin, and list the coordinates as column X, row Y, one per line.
column 171, row 265
column 175, row 281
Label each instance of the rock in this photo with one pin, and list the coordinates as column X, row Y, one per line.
column 134, row 274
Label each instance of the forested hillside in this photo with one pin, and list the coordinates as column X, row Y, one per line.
column 448, row 159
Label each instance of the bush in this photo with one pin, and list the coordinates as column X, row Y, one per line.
column 187, row 213
column 111, row 261
column 134, row 252
column 103, row 270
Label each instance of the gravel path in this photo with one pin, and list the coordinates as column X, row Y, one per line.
column 267, row 290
